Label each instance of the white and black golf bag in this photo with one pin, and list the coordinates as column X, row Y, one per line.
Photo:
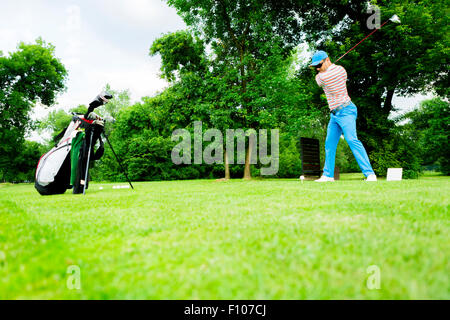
column 64, row 166
column 67, row 164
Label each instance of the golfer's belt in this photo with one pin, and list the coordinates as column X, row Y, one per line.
column 342, row 106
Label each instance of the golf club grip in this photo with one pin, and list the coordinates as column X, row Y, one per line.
column 90, row 109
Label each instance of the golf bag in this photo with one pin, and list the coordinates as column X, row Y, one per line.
column 67, row 164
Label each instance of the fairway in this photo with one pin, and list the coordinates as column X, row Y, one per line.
column 205, row 239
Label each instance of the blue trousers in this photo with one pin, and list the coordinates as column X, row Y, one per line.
column 344, row 121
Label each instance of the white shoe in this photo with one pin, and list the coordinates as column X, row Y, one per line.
column 371, row 177
column 324, row 179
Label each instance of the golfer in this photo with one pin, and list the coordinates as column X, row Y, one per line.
column 332, row 78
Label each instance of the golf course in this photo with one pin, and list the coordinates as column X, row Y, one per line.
column 208, row 239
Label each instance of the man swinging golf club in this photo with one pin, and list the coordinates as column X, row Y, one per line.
column 332, row 78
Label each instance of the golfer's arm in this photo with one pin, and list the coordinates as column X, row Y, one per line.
column 318, row 81
column 344, row 74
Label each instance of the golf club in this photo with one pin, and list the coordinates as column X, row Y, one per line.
column 99, row 100
column 394, row 19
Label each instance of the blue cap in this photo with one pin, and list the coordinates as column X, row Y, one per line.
column 317, row 57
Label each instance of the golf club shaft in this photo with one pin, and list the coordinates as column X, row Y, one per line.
column 362, row 40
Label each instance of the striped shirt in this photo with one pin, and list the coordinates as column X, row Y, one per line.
column 333, row 82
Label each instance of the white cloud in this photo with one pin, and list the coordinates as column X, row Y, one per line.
column 72, row 30
column 144, row 13
column 98, row 41
column 406, row 104
column 9, row 38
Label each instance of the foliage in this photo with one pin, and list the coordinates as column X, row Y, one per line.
column 290, row 158
column 23, row 164
column 428, row 128
column 28, row 76
column 121, row 99
column 244, row 36
column 396, row 150
column 142, row 138
column 179, row 52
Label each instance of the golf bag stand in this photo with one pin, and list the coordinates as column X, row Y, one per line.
column 93, row 134
column 117, row 158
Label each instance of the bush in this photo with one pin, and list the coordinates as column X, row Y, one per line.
column 23, row 167
column 396, row 151
column 290, row 165
column 428, row 126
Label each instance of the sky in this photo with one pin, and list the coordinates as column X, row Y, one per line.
column 100, row 42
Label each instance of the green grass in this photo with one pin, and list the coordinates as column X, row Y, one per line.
column 263, row 239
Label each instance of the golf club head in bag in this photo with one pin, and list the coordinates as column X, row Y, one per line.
column 99, row 100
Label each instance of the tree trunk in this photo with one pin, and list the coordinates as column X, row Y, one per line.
column 247, row 172
column 227, row 167
column 388, row 101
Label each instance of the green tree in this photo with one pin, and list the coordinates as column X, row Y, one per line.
column 428, row 128
column 243, row 37
column 209, row 89
column 142, row 138
column 121, row 99
column 397, row 150
column 180, row 52
column 28, row 76
column 56, row 121
column 24, row 163
column 204, row 92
